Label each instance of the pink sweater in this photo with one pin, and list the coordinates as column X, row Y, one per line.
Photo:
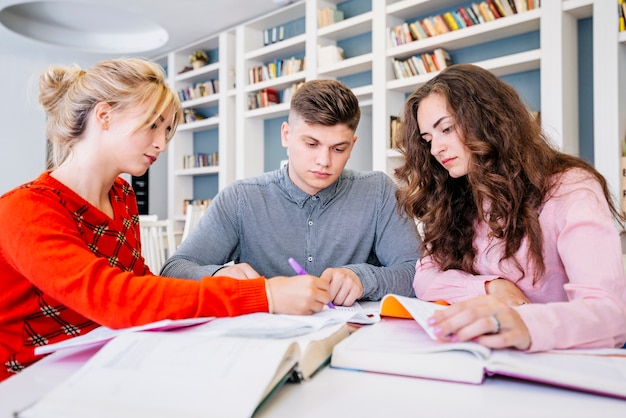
column 580, row 301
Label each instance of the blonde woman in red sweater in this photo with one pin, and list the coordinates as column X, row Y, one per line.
column 70, row 256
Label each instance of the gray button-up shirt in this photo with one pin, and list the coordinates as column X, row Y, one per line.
column 264, row 220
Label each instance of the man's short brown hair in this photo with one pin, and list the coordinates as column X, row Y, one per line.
column 326, row 102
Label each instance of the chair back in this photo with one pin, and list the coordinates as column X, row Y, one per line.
column 192, row 217
column 157, row 242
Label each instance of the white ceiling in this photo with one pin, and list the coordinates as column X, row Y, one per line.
column 185, row 21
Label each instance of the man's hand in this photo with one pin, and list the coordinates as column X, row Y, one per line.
column 238, row 271
column 345, row 285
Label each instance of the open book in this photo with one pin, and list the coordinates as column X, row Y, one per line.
column 187, row 373
column 101, row 335
column 403, row 347
column 259, row 324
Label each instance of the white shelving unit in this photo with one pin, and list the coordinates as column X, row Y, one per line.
column 358, row 25
column 219, row 116
column 242, row 131
column 609, row 87
column 252, row 52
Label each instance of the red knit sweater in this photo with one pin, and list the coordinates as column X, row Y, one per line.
column 66, row 267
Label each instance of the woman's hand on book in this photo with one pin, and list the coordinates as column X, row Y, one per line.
column 487, row 320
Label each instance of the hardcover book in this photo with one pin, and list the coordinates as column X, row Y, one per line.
column 399, row 345
column 192, row 372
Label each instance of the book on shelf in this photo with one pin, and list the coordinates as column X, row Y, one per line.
column 273, row 35
column 440, row 24
column 201, row 159
column 225, row 367
column 450, row 21
column 203, row 203
column 197, row 90
column 275, row 69
column 425, row 63
column 465, row 15
column 328, row 55
column 486, row 12
column 477, row 12
column 429, row 27
column 417, row 31
column 263, row 98
column 288, row 92
column 403, row 344
column 329, row 15
column 474, row 14
column 494, row 9
column 441, row 59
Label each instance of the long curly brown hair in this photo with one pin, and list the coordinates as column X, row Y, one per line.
column 513, row 168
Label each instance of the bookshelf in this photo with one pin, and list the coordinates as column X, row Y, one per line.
column 391, row 92
column 537, row 46
column 609, row 85
column 254, row 50
column 189, row 179
column 354, row 35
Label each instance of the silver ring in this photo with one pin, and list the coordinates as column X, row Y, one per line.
column 496, row 324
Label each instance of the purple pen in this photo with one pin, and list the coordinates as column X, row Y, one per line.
column 300, row 271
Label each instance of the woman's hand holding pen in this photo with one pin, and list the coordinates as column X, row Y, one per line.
column 299, row 295
column 487, row 320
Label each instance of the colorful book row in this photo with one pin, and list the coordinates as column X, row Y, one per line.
column 275, row 69
column 474, row 14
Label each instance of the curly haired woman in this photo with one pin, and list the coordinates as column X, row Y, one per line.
column 520, row 238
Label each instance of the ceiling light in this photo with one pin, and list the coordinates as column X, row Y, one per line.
column 87, row 27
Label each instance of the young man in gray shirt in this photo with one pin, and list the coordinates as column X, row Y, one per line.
column 338, row 224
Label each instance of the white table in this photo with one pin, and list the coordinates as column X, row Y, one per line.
column 342, row 393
